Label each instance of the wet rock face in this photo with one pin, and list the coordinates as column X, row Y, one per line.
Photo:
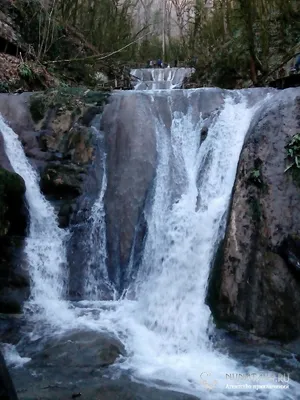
column 14, row 280
column 131, row 164
column 7, row 390
column 62, row 180
column 255, row 282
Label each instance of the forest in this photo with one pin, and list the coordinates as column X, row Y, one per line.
column 231, row 43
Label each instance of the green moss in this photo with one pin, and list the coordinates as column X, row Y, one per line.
column 293, row 156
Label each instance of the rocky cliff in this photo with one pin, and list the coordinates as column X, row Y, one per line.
column 55, row 130
column 256, row 280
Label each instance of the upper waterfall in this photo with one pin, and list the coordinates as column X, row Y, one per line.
column 159, row 78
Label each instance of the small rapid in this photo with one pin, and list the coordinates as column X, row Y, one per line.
column 159, row 78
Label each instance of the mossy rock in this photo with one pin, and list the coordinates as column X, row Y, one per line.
column 98, row 98
column 63, row 98
column 62, row 180
column 78, row 145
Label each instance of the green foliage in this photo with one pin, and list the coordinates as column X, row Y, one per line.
column 237, row 44
column 26, row 72
column 243, row 40
column 293, row 156
column 4, row 87
column 255, row 176
column 293, row 152
column 105, row 24
column 70, row 29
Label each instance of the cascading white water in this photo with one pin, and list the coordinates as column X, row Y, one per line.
column 168, row 323
column 159, row 78
column 183, row 234
column 167, row 326
column 44, row 249
column 96, row 272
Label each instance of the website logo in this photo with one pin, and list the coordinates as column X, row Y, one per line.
column 207, row 381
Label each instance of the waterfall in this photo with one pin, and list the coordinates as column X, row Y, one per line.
column 168, row 322
column 96, row 273
column 164, row 321
column 159, row 78
column 44, row 248
column 183, row 234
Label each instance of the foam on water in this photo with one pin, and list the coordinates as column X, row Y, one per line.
column 12, row 357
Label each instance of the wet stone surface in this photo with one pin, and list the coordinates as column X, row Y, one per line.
column 80, row 365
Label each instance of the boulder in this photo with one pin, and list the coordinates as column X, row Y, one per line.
column 82, row 364
column 255, row 281
column 79, row 349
